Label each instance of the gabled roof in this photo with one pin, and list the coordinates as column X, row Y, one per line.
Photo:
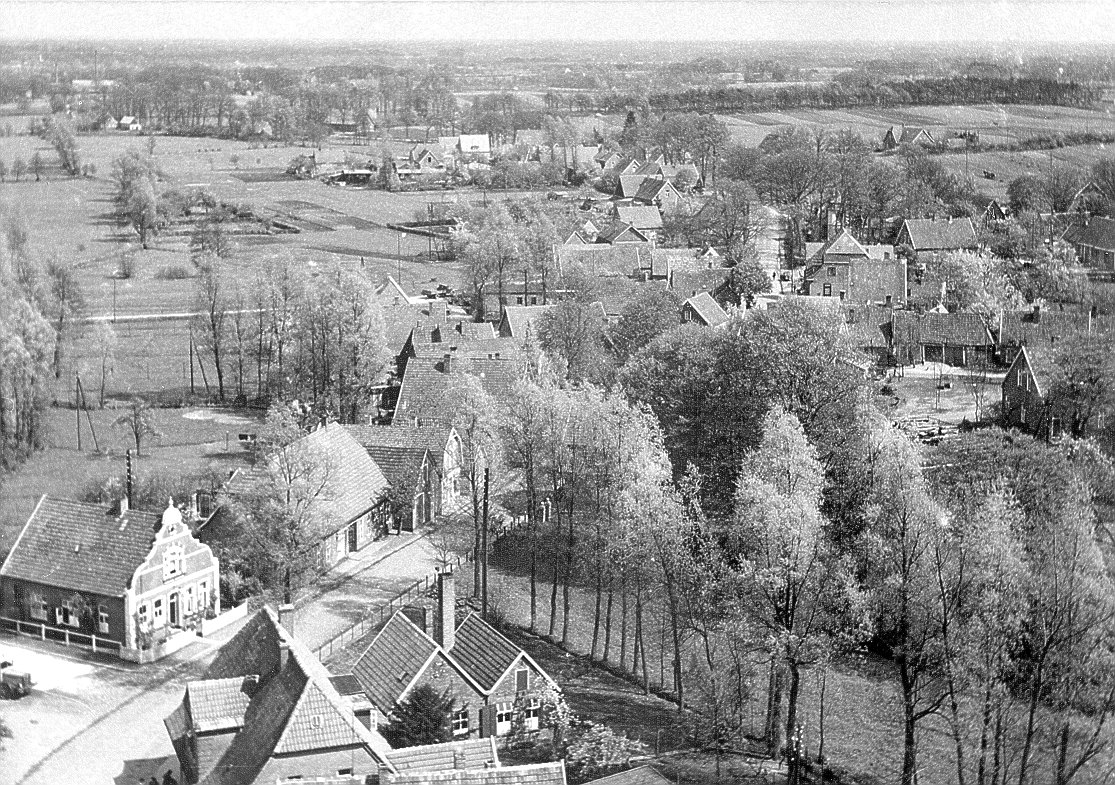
column 530, row 774
column 465, row 754
column 946, row 329
column 469, row 348
column 483, row 652
column 353, row 482
column 81, row 547
column 393, row 661
column 1041, row 365
column 1098, row 233
column 928, row 234
column 522, row 320
column 651, row 188
column 474, row 143
column 219, row 704
column 687, row 283
column 430, row 390
column 620, row 231
column 707, row 309
column 294, row 709
column 641, row 216
column 640, row 775
column 629, row 185
column 601, row 259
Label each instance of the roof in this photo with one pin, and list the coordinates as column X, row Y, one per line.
column 219, row 704
column 481, row 348
column 1041, row 365
column 614, row 231
column 615, row 294
column 629, row 184
column 401, row 465
column 394, row 659
column 530, row 774
column 651, row 188
column 911, row 133
column 641, row 216
column 475, row 143
column 430, row 390
column 346, row 684
column 932, row 235
column 402, row 434
column 353, row 482
column 465, row 754
column 483, row 652
column 523, row 319
column 689, row 282
column 640, row 775
column 1097, row 233
column 707, row 309
column 602, row 259
column 1046, row 325
column 81, row 547
column 947, row 329
column 294, row 709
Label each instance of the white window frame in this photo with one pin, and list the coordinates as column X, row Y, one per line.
column 203, row 595
column 505, row 718
column 532, row 713
column 172, row 562
column 460, row 723
column 826, row 290
column 158, row 613
column 68, row 618
column 36, row 606
column 102, row 619
column 189, row 599
column 1020, row 376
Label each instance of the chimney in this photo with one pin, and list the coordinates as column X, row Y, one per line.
column 286, row 617
column 445, row 626
column 123, row 505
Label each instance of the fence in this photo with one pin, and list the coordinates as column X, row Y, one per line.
column 67, row 636
column 377, row 617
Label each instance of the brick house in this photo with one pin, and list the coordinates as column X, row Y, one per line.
column 105, row 576
column 844, row 268
column 352, row 509
column 266, row 710
column 494, row 683
column 415, row 461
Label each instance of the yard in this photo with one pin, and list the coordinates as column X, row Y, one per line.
column 940, row 392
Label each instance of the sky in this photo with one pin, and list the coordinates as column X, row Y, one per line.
column 470, row 20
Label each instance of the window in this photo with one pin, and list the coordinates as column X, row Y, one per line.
column 519, row 300
column 189, row 599
column 534, row 300
column 460, row 722
column 172, row 562
column 827, row 290
column 142, row 613
column 1027, row 383
column 522, row 680
column 158, row 618
column 531, row 714
column 68, row 614
column 1022, row 415
column 505, row 712
column 203, row 595
column 344, row 772
column 36, row 605
column 1020, row 376
column 102, row 619
column 832, row 271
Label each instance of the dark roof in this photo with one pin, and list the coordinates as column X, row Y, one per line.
column 530, row 774
column 483, row 652
column 650, row 189
column 615, row 294
column 465, row 754
column 292, row 709
column 1041, row 364
column 346, row 684
column 1047, row 325
column 402, row 465
column 641, row 216
column 1099, row 233
column 431, row 393
column 707, row 309
column 614, row 231
column 395, row 658
column 353, row 482
column 928, row 234
column 947, row 329
column 640, row 775
column 81, row 547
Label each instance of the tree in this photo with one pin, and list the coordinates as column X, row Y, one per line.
column 64, row 140
column 3, row 171
column 139, row 420
column 1083, row 387
column 67, row 303
column 573, row 333
column 211, row 305
column 1026, row 194
column 425, row 717
column 651, row 312
column 104, row 341
column 37, row 166
column 747, row 279
column 19, row 168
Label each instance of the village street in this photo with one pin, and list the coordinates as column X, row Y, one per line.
column 100, row 720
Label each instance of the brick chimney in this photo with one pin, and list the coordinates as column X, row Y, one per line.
column 445, row 622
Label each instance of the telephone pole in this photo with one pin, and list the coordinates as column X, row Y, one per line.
column 484, row 554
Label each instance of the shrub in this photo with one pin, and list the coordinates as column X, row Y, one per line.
column 172, row 272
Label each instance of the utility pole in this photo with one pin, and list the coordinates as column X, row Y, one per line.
column 114, row 299
column 77, row 410
column 129, row 477
column 484, row 554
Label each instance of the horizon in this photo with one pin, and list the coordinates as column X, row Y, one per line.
column 991, row 23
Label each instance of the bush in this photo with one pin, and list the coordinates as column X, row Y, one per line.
column 125, row 268
column 172, row 272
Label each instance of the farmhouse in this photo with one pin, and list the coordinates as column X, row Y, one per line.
column 477, row 147
column 1093, row 239
column 266, row 711
column 107, row 576
column 660, row 193
column 844, row 268
column 898, row 135
column 433, row 388
column 620, row 232
column 492, row 681
column 932, row 237
column 951, row 338
column 1025, row 387
column 644, row 218
column 703, row 310
column 352, row 508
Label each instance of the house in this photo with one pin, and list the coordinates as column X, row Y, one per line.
column 607, row 159
column 352, row 508
column 425, row 159
column 601, row 259
column 521, row 321
column 660, row 193
column 844, row 268
column 409, row 467
column 931, row 236
column 898, row 135
column 1040, row 326
column 1025, row 389
column 620, row 232
column 640, row 775
column 645, row 218
column 109, row 577
column 432, row 387
column 704, row 310
column 950, row 338
column 624, row 166
column 1088, row 199
column 493, row 682
column 993, row 213
column 525, row 774
column 627, row 185
column 474, row 147
column 1093, row 239
column 129, row 123
column 266, row 711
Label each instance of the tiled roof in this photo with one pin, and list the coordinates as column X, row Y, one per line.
column 219, row 704
column 1049, row 325
column 402, row 434
column 1098, row 233
column 927, row 234
column 475, row 331
column 467, row 754
column 686, row 283
column 640, row 216
column 295, row 708
column 599, row 259
column 483, row 652
column 346, row 684
column 432, row 395
column 402, row 465
column 353, row 482
column 629, row 185
column 81, row 547
column 615, row 231
column 531, row 774
column 397, row 655
column 947, row 329
column 708, row 309
column 640, row 775
column 650, row 188
column 472, row 348
column 523, row 319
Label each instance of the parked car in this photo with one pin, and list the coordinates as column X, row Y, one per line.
column 13, row 684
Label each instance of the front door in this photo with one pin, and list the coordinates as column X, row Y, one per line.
column 173, row 610
column 352, row 538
